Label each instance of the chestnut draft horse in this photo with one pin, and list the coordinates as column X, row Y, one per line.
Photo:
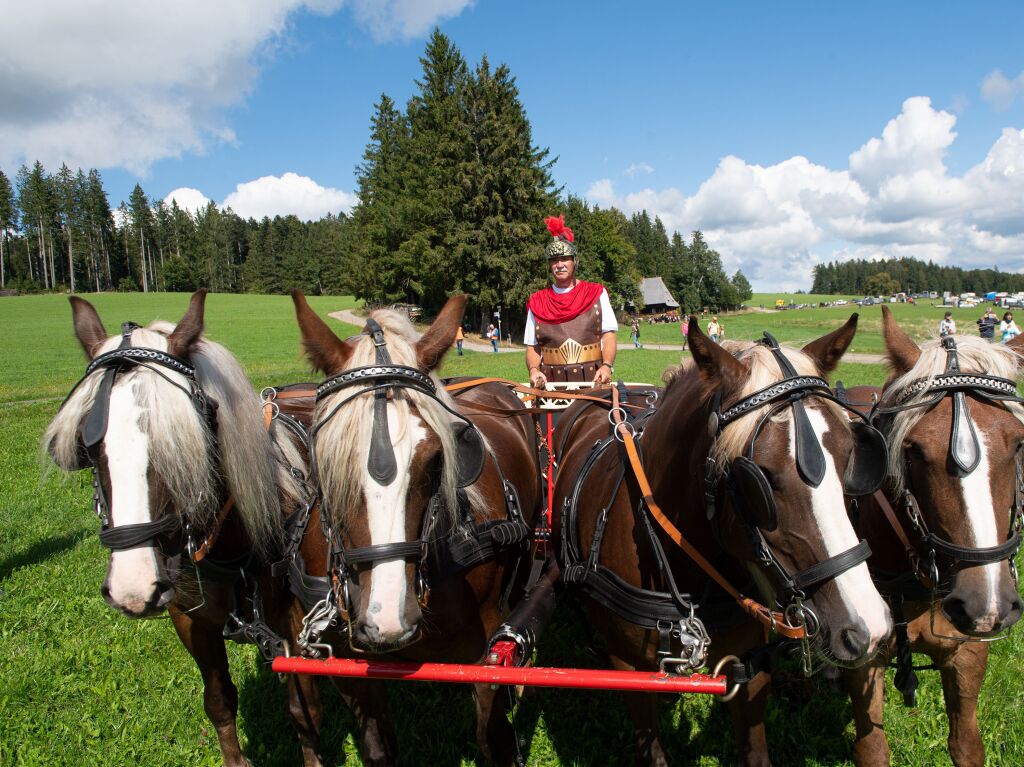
column 748, row 455
column 944, row 534
column 191, row 488
column 428, row 501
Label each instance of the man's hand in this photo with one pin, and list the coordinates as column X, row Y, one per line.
column 537, row 379
column 603, row 376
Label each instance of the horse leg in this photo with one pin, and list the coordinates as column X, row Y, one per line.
column 963, row 673
column 205, row 643
column 494, row 732
column 747, row 713
column 367, row 700
column 866, row 686
column 643, row 711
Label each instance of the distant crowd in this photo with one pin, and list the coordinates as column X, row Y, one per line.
column 988, row 326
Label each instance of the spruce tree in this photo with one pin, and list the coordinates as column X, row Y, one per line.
column 8, row 220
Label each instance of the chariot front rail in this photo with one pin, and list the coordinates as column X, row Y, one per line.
column 573, row 678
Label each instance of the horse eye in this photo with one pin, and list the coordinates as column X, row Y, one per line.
column 772, row 479
column 913, row 450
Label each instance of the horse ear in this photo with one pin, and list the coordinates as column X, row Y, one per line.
column 902, row 352
column 89, row 328
column 325, row 350
column 827, row 350
column 186, row 333
column 712, row 360
column 440, row 336
column 1017, row 344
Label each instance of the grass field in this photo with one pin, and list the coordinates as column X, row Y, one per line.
column 82, row 685
column 798, row 326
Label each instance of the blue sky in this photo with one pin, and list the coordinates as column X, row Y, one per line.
column 789, row 133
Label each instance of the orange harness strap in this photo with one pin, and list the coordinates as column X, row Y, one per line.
column 770, row 619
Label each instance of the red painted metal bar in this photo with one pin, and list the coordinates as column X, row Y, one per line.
column 577, row 678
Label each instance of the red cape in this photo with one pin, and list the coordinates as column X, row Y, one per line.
column 555, row 308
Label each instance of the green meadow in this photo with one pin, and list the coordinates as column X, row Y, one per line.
column 82, row 685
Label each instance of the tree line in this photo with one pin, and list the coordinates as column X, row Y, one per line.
column 909, row 275
column 452, row 197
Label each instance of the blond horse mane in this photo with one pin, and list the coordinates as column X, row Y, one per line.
column 181, row 452
column 343, row 442
column 974, row 355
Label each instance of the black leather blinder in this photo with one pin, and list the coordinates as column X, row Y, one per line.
column 469, row 452
column 869, row 462
column 753, row 494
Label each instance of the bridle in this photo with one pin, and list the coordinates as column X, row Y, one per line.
column 752, row 494
column 94, row 428
column 965, row 454
column 384, row 378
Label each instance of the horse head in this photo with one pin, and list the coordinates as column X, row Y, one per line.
column 386, row 444
column 955, row 428
column 145, row 419
column 783, row 456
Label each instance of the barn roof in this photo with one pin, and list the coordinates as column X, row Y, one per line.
column 654, row 292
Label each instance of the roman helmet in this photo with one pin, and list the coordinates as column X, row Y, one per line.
column 561, row 246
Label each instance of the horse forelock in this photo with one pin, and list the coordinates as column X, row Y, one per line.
column 343, row 443
column 180, row 444
column 974, row 355
column 764, row 371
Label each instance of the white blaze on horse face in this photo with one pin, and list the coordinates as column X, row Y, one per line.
column 133, row 573
column 976, row 488
column 828, row 505
column 386, row 517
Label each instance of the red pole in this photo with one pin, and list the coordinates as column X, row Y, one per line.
column 551, row 469
column 576, row 678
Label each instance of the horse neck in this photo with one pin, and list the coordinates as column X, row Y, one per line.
column 678, row 435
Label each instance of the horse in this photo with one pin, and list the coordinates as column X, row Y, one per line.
column 749, row 456
column 427, row 499
column 941, row 536
column 191, row 488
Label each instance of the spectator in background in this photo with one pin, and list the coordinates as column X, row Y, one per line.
column 947, row 326
column 685, row 328
column 492, row 335
column 1008, row 328
column 459, row 338
column 634, row 332
column 987, row 325
column 714, row 329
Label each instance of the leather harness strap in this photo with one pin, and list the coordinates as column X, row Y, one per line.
column 912, row 556
column 770, row 619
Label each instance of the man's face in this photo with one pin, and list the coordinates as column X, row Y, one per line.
column 562, row 268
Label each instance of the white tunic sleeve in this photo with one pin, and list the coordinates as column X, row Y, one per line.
column 530, row 334
column 608, row 322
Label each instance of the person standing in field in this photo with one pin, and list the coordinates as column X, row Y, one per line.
column 714, row 329
column 1008, row 328
column 987, row 325
column 684, row 327
column 492, row 336
column 634, row 331
column 947, row 326
column 459, row 338
column 570, row 325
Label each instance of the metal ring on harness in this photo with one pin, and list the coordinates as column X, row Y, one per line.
column 718, row 672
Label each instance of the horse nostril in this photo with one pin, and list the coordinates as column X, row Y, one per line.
column 855, row 641
column 956, row 610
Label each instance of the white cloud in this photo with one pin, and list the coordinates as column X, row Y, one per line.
column 285, row 195
column 122, row 83
column 404, row 19
column 188, row 199
column 1000, row 91
column 895, row 199
column 638, row 167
